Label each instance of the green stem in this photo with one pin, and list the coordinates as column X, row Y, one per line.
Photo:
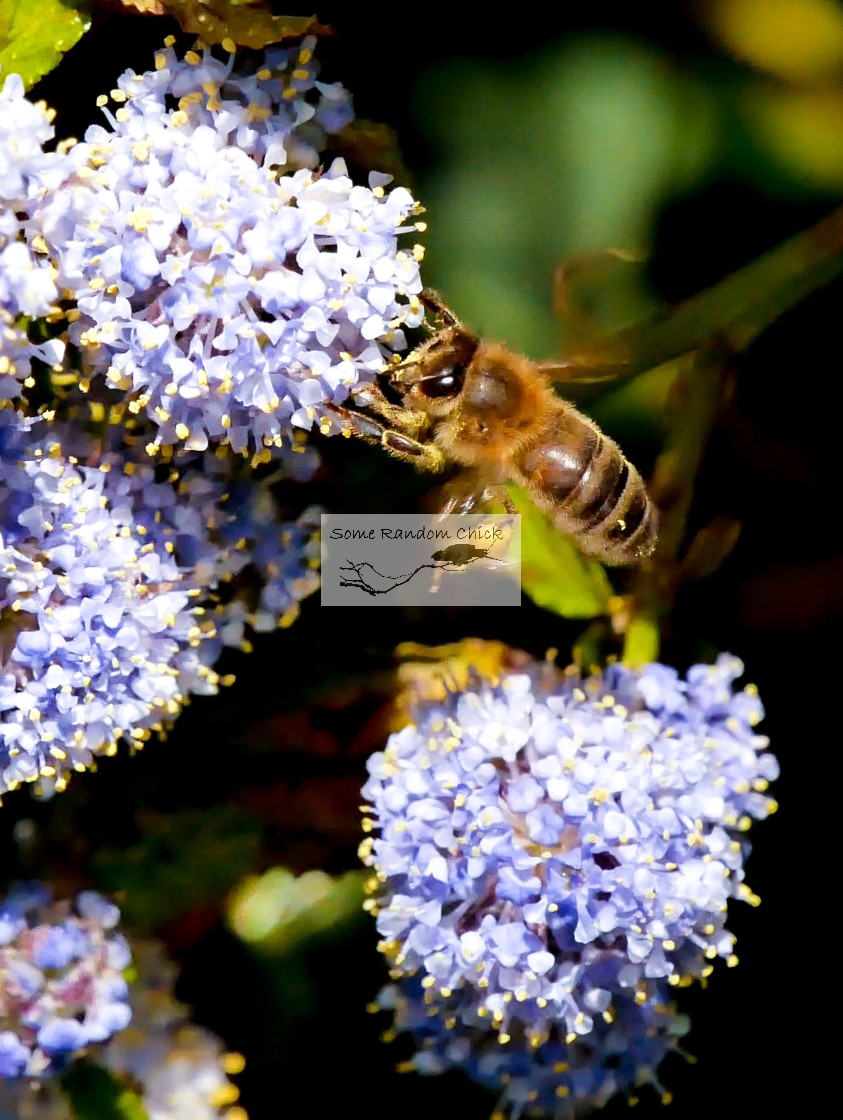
column 717, row 322
column 735, row 311
column 695, row 397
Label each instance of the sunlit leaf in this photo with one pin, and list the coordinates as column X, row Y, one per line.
column 278, row 910
column 249, row 23
column 34, row 34
column 96, row 1094
column 801, row 40
column 554, row 573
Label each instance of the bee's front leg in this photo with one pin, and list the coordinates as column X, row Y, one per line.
column 411, row 422
column 426, row 456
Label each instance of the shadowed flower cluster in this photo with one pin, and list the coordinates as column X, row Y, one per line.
column 180, row 1071
column 559, row 1077
column 553, row 848
column 110, row 614
column 61, row 982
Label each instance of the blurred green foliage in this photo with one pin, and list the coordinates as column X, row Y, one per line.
column 182, row 862
column 96, row 1094
column 578, row 148
column 566, row 153
column 278, row 910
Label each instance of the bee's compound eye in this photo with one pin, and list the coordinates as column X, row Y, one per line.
column 446, row 383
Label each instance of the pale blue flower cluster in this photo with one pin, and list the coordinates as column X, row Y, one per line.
column 552, row 845
column 61, row 982
column 226, row 289
column 109, row 612
column 101, row 637
column 214, row 290
column 27, row 279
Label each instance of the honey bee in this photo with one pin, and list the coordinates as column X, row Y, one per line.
column 458, row 400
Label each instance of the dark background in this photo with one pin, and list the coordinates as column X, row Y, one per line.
column 530, row 136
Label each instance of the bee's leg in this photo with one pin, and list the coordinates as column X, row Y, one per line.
column 500, row 494
column 470, row 493
column 426, row 456
column 434, row 302
column 467, row 492
column 403, row 419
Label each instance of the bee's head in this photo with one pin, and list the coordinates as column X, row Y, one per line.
column 433, row 379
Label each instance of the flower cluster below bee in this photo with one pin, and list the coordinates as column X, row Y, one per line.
column 551, row 846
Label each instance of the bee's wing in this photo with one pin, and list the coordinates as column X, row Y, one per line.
column 579, row 372
column 594, row 291
column 593, row 295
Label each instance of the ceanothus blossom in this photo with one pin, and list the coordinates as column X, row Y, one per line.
column 226, row 288
column 552, row 846
column 182, row 1069
column 61, row 983
column 101, row 635
column 114, row 600
column 27, row 278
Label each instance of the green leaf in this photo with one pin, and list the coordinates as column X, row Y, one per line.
column 34, row 34
column 553, row 572
column 279, row 910
column 96, row 1094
